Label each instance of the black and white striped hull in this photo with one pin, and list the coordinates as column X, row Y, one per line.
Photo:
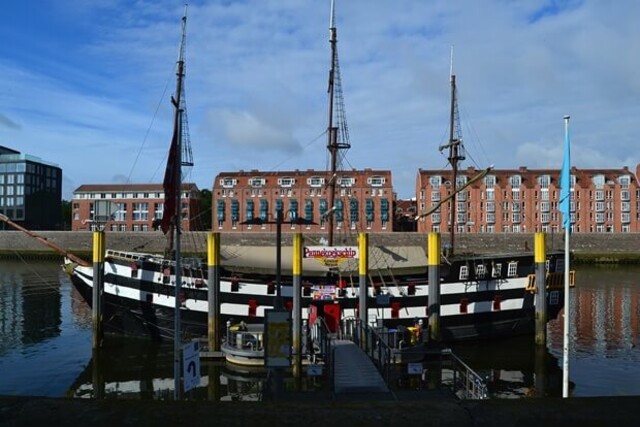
column 139, row 299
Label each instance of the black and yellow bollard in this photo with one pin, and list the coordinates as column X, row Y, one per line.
column 297, row 308
column 213, row 291
column 363, row 271
column 540, row 296
column 98, row 286
column 433, row 262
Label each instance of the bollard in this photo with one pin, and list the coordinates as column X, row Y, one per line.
column 297, row 307
column 213, row 291
column 433, row 245
column 363, row 270
column 540, row 297
column 98, row 286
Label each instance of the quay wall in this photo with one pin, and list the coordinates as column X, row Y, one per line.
column 583, row 412
column 585, row 247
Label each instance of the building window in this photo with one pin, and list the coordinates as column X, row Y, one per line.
column 308, row 211
column 346, row 181
column 286, row 181
column 353, row 213
column 544, row 181
column 489, row 181
column 158, row 210
column 141, row 211
column 376, row 181
column 435, row 182
column 315, row 181
column 369, row 216
column 121, row 212
column 228, row 182
column 323, row 212
column 384, row 212
column 220, row 213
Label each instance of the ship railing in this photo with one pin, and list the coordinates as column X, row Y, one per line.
column 466, row 383
column 245, row 337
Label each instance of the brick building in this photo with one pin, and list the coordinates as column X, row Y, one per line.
column 248, row 201
column 30, row 191
column 135, row 206
column 523, row 200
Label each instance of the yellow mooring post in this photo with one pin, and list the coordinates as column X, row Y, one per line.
column 98, row 286
column 541, row 291
column 433, row 262
column 363, row 271
column 213, row 291
column 297, row 308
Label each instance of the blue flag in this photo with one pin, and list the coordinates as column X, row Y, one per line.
column 565, row 181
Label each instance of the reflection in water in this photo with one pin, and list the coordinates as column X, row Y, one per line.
column 45, row 346
column 514, row 368
column 30, row 304
column 605, row 331
column 135, row 369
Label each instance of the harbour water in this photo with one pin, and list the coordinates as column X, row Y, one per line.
column 45, row 346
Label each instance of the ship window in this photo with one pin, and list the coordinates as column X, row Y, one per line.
column 464, row 272
column 481, row 271
column 497, row 270
column 513, row 269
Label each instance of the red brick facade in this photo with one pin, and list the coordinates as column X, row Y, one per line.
column 247, row 201
column 523, row 200
column 136, row 206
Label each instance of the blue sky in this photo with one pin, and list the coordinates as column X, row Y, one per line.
column 86, row 84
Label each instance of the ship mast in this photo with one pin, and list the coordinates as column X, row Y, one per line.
column 455, row 153
column 173, row 187
column 334, row 143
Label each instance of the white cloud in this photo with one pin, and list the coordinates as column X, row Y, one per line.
column 86, row 92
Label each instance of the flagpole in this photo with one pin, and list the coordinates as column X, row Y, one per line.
column 565, row 182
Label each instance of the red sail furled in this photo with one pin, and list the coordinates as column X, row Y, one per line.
column 169, row 184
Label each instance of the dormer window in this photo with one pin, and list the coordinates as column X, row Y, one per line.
column 490, row 181
column 315, row 181
column 286, row 182
column 346, row 181
column 257, row 182
column 376, row 181
column 228, row 182
column 435, row 181
column 544, row 181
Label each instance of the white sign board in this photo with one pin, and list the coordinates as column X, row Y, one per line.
column 191, row 365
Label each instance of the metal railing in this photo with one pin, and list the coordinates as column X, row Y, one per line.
column 373, row 342
column 466, row 383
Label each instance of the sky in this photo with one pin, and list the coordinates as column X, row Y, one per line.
column 86, row 85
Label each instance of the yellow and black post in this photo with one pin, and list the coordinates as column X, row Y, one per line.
column 540, row 297
column 213, row 291
column 297, row 307
column 363, row 271
column 433, row 261
column 98, row 286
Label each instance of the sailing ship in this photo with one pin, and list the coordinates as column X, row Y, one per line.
column 482, row 296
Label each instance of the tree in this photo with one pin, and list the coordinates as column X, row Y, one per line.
column 66, row 215
column 204, row 218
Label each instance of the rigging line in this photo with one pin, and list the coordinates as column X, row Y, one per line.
column 474, row 137
column 153, row 119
